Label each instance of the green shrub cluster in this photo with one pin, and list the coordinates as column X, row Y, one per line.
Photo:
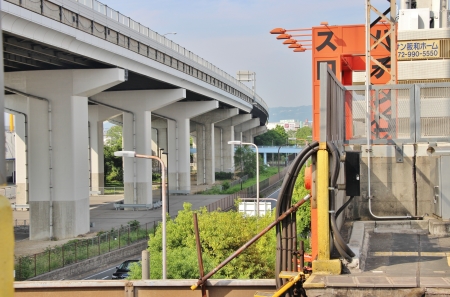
column 219, row 239
column 224, row 175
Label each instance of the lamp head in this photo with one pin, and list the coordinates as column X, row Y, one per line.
column 234, row 142
column 127, row 154
column 277, row 31
column 284, row 36
column 289, row 41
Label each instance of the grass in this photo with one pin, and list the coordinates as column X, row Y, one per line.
column 270, row 171
column 113, row 184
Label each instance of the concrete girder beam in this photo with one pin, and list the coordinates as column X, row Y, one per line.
column 179, row 115
column 249, row 135
column 57, row 110
column 227, row 160
column 206, row 160
column 234, row 121
column 137, row 135
column 250, row 124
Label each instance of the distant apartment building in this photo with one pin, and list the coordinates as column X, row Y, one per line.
column 290, row 125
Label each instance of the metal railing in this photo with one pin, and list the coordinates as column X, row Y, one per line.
column 398, row 113
column 55, row 11
column 106, row 191
column 18, row 223
column 8, row 192
column 78, row 250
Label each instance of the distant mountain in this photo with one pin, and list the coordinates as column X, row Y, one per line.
column 298, row 113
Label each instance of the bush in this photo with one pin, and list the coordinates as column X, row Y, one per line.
column 134, row 224
column 156, row 177
column 225, row 186
column 224, row 175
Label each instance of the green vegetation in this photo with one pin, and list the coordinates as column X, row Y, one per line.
column 273, row 137
column 245, row 161
column 113, row 165
column 114, row 183
column 219, row 190
column 224, row 175
column 219, row 239
column 304, row 135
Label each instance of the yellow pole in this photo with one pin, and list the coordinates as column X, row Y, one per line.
column 323, row 224
column 11, row 122
column 323, row 264
column 6, row 249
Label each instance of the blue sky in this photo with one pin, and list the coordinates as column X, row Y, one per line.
column 234, row 35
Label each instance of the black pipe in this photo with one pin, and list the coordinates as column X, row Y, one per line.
column 339, row 241
column 284, row 249
column 338, row 212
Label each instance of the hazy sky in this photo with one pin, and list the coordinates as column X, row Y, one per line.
column 234, row 35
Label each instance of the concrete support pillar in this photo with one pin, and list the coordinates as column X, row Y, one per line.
column 201, row 153
column 159, row 146
column 265, row 158
column 59, row 196
column 97, row 114
column 239, row 129
column 219, row 146
column 228, row 135
column 137, row 135
column 249, row 135
column 18, row 105
column 178, row 139
column 21, row 158
column 207, row 122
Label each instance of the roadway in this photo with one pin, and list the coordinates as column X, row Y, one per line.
column 105, row 274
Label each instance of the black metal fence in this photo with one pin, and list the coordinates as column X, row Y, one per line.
column 80, row 249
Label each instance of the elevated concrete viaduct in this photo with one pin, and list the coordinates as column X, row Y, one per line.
column 71, row 66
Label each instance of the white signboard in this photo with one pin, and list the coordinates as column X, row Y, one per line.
column 418, row 50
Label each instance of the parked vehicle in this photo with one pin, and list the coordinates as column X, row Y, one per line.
column 123, row 269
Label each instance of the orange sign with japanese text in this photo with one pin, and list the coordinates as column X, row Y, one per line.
column 343, row 49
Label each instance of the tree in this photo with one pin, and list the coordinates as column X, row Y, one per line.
column 276, row 136
column 304, row 134
column 112, row 165
column 219, row 239
column 245, row 160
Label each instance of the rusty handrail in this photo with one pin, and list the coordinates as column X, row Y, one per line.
column 294, row 208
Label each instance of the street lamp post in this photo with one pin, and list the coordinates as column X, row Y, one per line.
column 257, row 169
column 131, row 154
column 168, row 191
column 160, row 170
